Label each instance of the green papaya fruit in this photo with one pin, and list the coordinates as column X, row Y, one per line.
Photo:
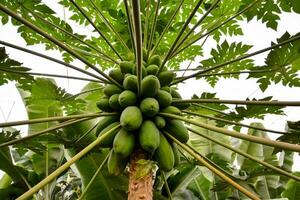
column 182, row 106
column 130, row 83
column 177, row 129
column 144, row 71
column 117, row 75
column 175, row 94
column 114, row 102
column 172, row 110
column 130, row 57
column 164, row 155
column 166, row 77
column 166, row 88
column 126, row 67
column 150, row 86
column 127, row 98
column 108, row 141
column 152, row 69
column 149, row 136
column 116, row 164
column 131, row 118
column 159, row 121
column 145, row 52
column 103, row 104
column 111, row 89
column 124, row 143
column 105, row 121
column 154, row 60
column 164, row 98
column 149, row 107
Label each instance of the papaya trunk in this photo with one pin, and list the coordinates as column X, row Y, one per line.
column 139, row 188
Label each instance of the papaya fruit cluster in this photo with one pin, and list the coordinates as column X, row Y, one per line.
column 141, row 126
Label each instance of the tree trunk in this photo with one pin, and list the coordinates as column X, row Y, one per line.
column 139, row 188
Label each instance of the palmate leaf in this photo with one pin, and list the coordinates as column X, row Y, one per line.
column 223, row 53
column 11, row 65
column 285, row 61
column 289, row 5
column 292, row 191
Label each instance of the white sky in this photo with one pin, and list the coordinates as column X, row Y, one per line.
column 12, row 108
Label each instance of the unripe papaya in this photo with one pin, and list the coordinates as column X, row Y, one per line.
column 130, row 83
column 164, row 155
column 145, row 58
column 111, row 89
column 178, row 130
column 149, row 107
column 175, row 94
column 116, row 164
column 182, row 106
column 159, row 121
column 172, row 110
column 152, row 69
column 114, row 102
column 124, row 143
column 144, row 71
column 149, row 136
column 127, row 98
column 103, row 104
column 126, row 67
column 105, row 121
column 164, row 98
column 108, row 141
column 154, row 60
column 130, row 57
column 131, row 118
column 117, row 75
column 166, row 88
column 150, row 86
column 166, row 77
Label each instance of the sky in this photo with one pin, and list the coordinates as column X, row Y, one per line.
column 255, row 33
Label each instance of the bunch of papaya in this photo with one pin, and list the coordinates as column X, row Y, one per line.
column 141, row 125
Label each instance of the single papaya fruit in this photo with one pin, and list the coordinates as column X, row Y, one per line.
column 149, row 136
column 149, row 107
column 164, row 98
column 178, row 130
column 124, row 143
column 131, row 118
column 116, row 164
column 166, row 88
column 175, row 94
column 159, row 121
column 114, row 102
column 164, row 155
column 108, row 141
column 150, row 86
column 126, row 67
column 117, row 75
column 145, row 52
column 105, row 121
column 166, row 77
column 111, row 89
column 172, row 110
column 130, row 83
column 154, row 60
column 103, row 104
column 144, row 71
column 152, row 69
column 127, row 98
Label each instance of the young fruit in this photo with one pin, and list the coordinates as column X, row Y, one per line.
column 131, row 118
column 149, row 107
column 111, row 89
column 103, row 104
column 166, row 77
column 144, row 71
column 164, row 155
column 124, row 143
column 127, row 98
column 126, row 67
column 150, row 86
column 178, row 130
column 152, row 69
column 108, row 141
column 166, row 88
column 159, row 121
column 149, row 136
column 105, row 121
column 117, row 75
column 164, row 98
column 114, row 102
column 130, row 83
column 154, row 60
column 172, row 110
column 175, row 94
column 116, row 164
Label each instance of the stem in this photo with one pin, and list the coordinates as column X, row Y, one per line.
column 166, row 28
column 247, row 102
column 51, row 75
column 129, row 23
column 49, row 119
column 179, row 35
column 196, row 25
column 138, row 42
column 93, row 178
column 239, row 58
column 146, row 24
column 200, row 158
column 96, row 28
column 280, row 171
column 109, row 25
column 167, row 185
column 216, row 27
column 268, row 142
column 65, row 166
column 80, row 93
column 52, row 59
column 153, row 29
column 235, row 123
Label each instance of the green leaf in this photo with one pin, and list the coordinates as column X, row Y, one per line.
column 292, row 191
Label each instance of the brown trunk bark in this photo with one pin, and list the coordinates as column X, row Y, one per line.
column 139, row 188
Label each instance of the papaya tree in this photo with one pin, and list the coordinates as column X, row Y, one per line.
column 129, row 133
